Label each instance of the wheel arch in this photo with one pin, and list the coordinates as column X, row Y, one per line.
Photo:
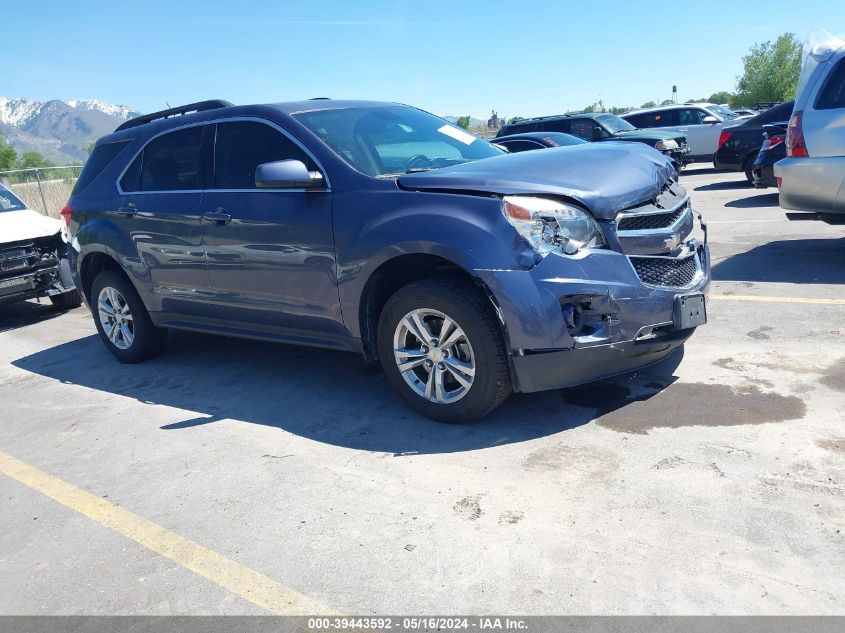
column 395, row 273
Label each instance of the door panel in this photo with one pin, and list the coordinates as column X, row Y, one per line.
column 272, row 264
column 161, row 214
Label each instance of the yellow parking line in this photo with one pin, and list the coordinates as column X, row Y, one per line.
column 827, row 302
column 224, row 572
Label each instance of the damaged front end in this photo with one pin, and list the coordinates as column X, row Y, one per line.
column 33, row 268
column 624, row 302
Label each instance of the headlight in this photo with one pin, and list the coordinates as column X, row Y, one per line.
column 548, row 225
column 670, row 144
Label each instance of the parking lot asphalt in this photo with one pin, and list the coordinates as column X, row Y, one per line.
column 237, row 477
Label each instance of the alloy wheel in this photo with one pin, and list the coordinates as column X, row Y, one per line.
column 434, row 355
column 116, row 318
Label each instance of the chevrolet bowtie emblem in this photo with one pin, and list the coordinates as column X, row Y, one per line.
column 671, row 243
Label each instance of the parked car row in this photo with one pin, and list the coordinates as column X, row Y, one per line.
column 603, row 126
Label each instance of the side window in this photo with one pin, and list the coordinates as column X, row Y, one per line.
column 241, row 146
column 638, row 120
column 100, row 158
column 521, row 146
column 833, row 94
column 691, row 116
column 587, row 129
column 657, row 118
column 171, row 162
column 556, row 125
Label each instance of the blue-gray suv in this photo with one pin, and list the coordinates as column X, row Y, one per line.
column 378, row 228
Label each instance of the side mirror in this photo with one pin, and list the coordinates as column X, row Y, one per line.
column 287, row 174
column 710, row 120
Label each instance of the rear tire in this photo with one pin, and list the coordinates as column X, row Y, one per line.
column 460, row 372
column 67, row 300
column 122, row 321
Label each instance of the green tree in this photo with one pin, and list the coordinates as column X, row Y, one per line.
column 514, row 119
column 649, row 104
column 589, row 108
column 618, row 110
column 8, row 155
column 463, row 121
column 33, row 159
column 722, row 97
column 770, row 72
column 90, row 147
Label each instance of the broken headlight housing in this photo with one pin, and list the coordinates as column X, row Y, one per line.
column 550, row 225
column 666, row 145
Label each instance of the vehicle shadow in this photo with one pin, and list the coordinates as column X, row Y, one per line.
column 807, row 261
column 323, row 395
column 761, row 200
column 725, row 186
column 23, row 313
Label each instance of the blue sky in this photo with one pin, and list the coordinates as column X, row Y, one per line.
column 521, row 58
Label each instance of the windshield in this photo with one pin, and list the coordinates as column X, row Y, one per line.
column 9, row 202
column 722, row 111
column 393, row 140
column 614, row 124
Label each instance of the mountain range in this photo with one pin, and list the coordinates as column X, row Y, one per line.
column 59, row 130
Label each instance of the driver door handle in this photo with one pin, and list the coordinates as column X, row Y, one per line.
column 218, row 216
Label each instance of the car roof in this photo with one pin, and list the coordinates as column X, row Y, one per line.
column 673, row 106
column 173, row 118
column 552, row 117
column 532, row 135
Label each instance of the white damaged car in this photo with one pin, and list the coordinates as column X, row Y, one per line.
column 33, row 256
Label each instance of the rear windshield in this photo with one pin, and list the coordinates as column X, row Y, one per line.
column 9, row 201
column 387, row 141
column 97, row 162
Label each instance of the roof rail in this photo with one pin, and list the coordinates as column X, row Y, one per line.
column 200, row 106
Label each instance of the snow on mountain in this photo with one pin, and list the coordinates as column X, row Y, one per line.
column 18, row 111
column 119, row 111
column 59, row 130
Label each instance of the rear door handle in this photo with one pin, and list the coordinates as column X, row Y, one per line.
column 218, row 216
column 128, row 211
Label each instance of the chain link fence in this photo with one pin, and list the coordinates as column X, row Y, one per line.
column 45, row 189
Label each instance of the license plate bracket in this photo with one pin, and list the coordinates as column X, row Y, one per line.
column 690, row 311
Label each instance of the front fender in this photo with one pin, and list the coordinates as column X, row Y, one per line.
column 375, row 227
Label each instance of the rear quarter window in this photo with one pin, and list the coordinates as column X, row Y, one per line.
column 832, row 95
column 100, row 158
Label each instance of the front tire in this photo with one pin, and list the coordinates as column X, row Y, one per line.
column 66, row 300
column 442, row 350
column 122, row 321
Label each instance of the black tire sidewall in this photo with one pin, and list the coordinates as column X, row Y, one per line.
column 148, row 338
column 482, row 332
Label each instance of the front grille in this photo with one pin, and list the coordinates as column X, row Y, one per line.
column 650, row 220
column 666, row 271
column 18, row 258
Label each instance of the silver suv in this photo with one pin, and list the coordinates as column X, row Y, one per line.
column 812, row 176
column 701, row 123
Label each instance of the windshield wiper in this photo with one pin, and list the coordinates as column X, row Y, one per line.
column 416, row 170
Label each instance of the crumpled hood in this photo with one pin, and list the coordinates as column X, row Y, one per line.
column 26, row 225
column 603, row 177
